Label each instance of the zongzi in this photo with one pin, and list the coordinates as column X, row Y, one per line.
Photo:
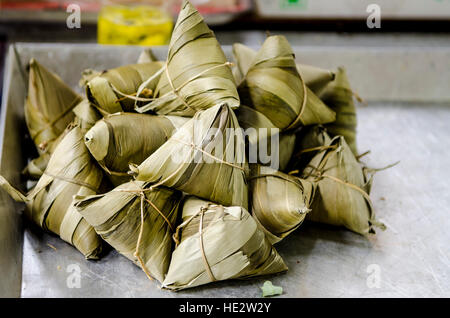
column 342, row 189
column 274, row 87
column 216, row 243
column 197, row 75
column 280, row 202
column 85, row 115
column 205, row 157
column 243, row 57
column 36, row 167
column 113, row 90
column 48, row 107
column 128, row 138
column 49, row 204
column 87, row 75
column 315, row 78
column 138, row 223
column 339, row 97
column 310, row 140
column 146, row 56
column 266, row 144
column 85, row 118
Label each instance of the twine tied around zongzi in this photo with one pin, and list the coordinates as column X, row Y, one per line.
column 312, row 149
column 134, row 169
column 303, row 105
column 195, row 147
column 54, row 121
column 273, row 175
column 320, row 175
column 138, row 243
column 202, row 248
column 112, row 172
column 364, row 194
column 141, row 231
column 176, row 90
column 176, row 236
column 133, row 96
column 73, row 181
column 142, row 88
column 141, row 194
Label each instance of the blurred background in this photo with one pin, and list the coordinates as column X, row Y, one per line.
column 341, row 23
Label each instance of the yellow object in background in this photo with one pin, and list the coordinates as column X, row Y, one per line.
column 135, row 25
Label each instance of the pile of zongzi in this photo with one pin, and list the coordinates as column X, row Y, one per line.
column 194, row 167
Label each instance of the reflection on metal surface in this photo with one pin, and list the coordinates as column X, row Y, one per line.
column 412, row 199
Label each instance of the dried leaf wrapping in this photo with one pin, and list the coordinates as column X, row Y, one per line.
column 205, row 157
column 285, row 150
column 146, row 56
column 85, row 118
column 243, row 57
column 274, row 87
column 339, row 97
column 127, row 138
column 262, row 134
column 197, row 75
column 49, row 204
column 315, row 78
column 109, row 91
column 36, row 167
column 87, row 75
column 48, row 107
column 116, row 217
column 219, row 243
column 310, row 140
column 280, row 202
column 86, row 115
column 342, row 197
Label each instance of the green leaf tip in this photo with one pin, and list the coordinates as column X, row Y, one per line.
column 268, row 289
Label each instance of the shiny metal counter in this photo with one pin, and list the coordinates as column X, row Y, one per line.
column 410, row 259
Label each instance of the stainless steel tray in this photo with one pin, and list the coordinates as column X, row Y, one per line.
column 411, row 258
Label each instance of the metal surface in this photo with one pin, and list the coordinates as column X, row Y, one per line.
column 412, row 257
column 11, row 162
